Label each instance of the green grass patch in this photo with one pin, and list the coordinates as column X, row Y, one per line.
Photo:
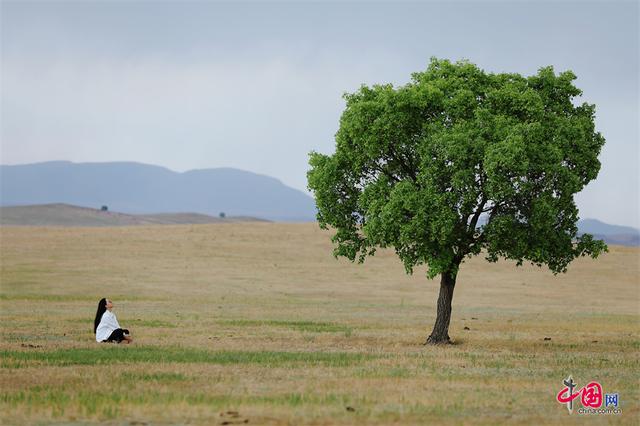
column 49, row 298
column 151, row 323
column 385, row 372
column 111, row 353
column 130, row 323
column 89, row 300
column 155, row 377
column 17, row 337
column 107, row 404
column 305, row 326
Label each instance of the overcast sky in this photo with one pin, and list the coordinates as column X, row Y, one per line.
column 258, row 85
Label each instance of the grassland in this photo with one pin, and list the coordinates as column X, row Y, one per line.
column 258, row 322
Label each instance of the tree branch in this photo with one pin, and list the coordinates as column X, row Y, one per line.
column 397, row 158
column 474, row 219
column 493, row 207
column 481, row 238
column 386, row 173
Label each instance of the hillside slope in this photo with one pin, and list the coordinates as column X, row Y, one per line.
column 68, row 215
column 135, row 188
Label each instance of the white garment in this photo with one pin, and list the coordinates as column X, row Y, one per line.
column 108, row 324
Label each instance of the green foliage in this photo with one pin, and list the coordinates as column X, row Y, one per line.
column 457, row 161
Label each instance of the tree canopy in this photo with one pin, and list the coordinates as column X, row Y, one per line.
column 459, row 161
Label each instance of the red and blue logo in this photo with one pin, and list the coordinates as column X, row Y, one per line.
column 593, row 400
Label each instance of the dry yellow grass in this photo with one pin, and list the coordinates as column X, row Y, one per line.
column 260, row 319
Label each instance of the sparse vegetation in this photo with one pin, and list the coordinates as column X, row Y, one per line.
column 106, row 354
column 257, row 322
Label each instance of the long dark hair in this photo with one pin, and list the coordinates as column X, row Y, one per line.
column 102, row 306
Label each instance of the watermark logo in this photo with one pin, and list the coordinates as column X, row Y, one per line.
column 611, row 400
column 591, row 397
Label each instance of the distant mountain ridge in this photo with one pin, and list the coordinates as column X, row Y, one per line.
column 611, row 234
column 171, row 197
column 594, row 226
column 135, row 188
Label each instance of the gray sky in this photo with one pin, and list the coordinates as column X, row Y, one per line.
column 258, row 85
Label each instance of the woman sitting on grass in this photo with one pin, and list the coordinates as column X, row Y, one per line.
column 106, row 325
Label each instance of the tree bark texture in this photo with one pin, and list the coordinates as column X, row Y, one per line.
column 440, row 333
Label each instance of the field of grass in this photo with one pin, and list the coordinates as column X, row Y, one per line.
column 257, row 323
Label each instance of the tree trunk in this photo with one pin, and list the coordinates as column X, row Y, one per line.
column 440, row 333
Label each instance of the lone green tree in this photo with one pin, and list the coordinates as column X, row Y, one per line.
column 458, row 162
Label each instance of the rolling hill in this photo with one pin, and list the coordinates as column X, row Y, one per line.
column 68, row 215
column 611, row 234
column 50, row 193
column 135, row 188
